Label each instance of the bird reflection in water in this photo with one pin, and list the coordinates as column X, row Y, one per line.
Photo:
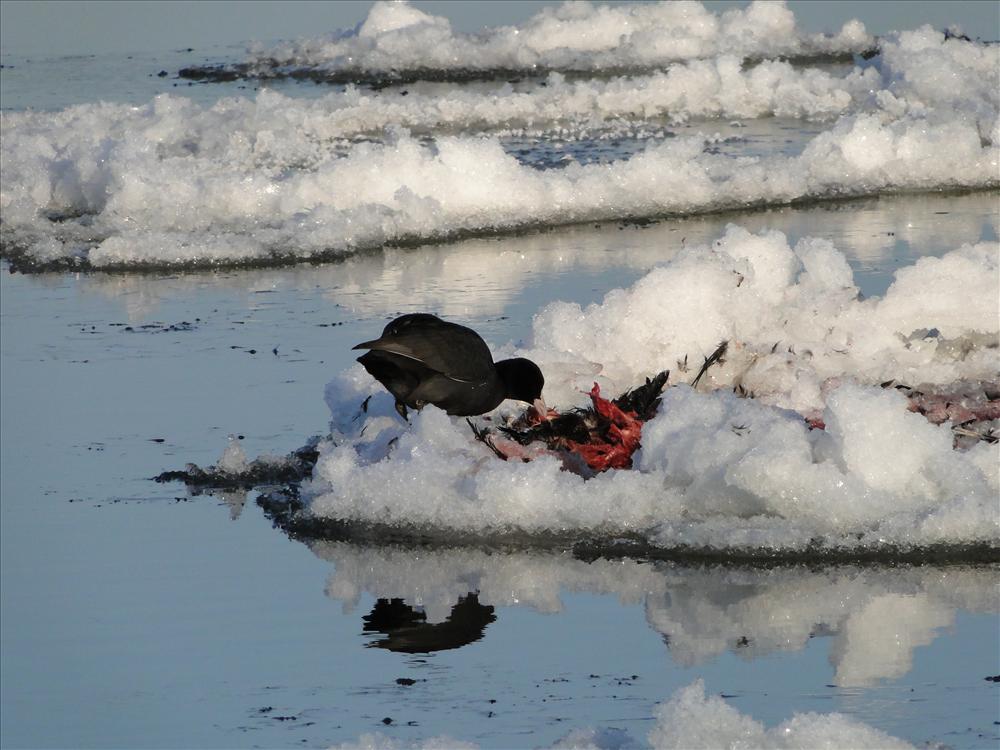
column 407, row 630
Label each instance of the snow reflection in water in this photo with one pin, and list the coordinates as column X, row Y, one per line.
column 874, row 616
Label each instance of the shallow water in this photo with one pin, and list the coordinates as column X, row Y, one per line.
column 138, row 614
column 125, row 79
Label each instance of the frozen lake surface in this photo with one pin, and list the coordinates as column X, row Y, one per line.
column 200, row 266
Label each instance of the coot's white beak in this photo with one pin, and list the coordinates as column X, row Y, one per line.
column 540, row 406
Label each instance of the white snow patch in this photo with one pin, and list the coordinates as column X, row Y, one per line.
column 572, row 36
column 173, row 185
column 716, row 470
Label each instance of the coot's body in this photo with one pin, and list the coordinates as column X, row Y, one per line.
column 421, row 359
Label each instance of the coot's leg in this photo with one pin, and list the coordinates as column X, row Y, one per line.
column 401, row 408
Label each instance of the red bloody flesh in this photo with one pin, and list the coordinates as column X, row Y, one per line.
column 942, row 407
column 957, row 408
column 618, row 433
column 614, row 449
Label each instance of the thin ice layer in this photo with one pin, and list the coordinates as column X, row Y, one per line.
column 716, row 469
column 397, row 37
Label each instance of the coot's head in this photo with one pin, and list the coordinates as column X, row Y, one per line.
column 522, row 378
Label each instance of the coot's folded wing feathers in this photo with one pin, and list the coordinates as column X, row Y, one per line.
column 452, row 350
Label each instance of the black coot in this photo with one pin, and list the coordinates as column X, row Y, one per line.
column 421, row 359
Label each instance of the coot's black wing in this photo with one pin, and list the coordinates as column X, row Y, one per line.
column 645, row 399
column 455, row 351
column 401, row 377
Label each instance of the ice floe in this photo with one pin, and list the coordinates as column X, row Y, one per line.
column 914, row 71
column 277, row 179
column 397, row 39
column 153, row 196
column 732, row 465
